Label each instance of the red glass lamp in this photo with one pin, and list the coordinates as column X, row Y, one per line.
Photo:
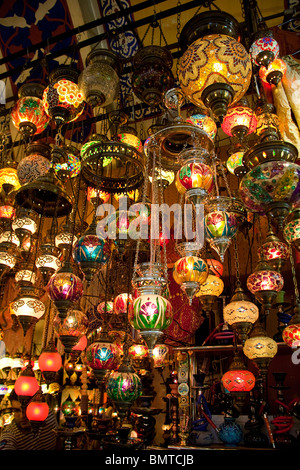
column 291, row 333
column 238, row 378
column 264, row 49
column 37, row 411
column 71, row 328
column 26, row 385
column 239, row 121
column 274, row 251
column 50, row 362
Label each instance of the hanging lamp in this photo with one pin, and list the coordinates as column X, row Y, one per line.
column 238, row 379
column 215, row 68
column 274, row 251
column 291, row 229
column 260, row 348
column 35, row 163
column 70, row 328
column 264, row 48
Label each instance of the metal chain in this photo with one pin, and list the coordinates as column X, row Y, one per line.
column 237, row 265
column 294, row 276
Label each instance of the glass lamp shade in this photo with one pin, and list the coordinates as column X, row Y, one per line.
column 273, row 73
column 122, row 303
column 88, row 149
column 132, row 195
column 62, row 100
column 28, row 115
column 264, row 50
column 260, row 346
column 291, row 333
column 93, row 193
column 7, row 212
column 47, row 261
column 214, row 267
column 103, row 355
column 205, row 122
column 26, row 385
column 71, row 328
column 240, row 311
column 131, row 139
column 70, row 168
column 138, row 351
column 238, row 380
column 239, row 121
column 274, row 252
column 25, row 276
column 152, row 74
column 160, row 353
column 194, row 174
column 220, row 225
column 28, row 308
column 271, row 188
column 91, row 252
column 7, row 260
column 190, row 272
column 150, row 312
column 162, row 177
column 10, row 238
column 215, row 66
column 31, row 167
column 24, row 223
column 264, row 283
column 65, row 286
column 68, row 407
column 105, row 307
column 37, row 411
column 50, row 361
column 123, row 386
column 213, row 286
column 8, row 176
column 291, row 230
column 99, row 81
column 235, row 164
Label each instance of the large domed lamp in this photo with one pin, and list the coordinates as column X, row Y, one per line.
column 215, row 68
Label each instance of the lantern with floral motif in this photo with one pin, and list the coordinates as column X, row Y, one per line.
column 102, row 356
column 291, row 230
column 220, row 224
column 189, row 271
column 291, row 333
column 28, row 114
column 122, row 303
column 62, row 100
column 264, row 49
column 240, row 120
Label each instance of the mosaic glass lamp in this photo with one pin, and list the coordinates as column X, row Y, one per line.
column 240, row 120
column 274, row 251
column 36, row 162
column 28, row 308
column 264, row 283
column 260, row 348
column 240, row 314
column 215, row 70
column 291, row 230
column 99, row 81
column 238, row 378
column 291, row 333
column 28, row 114
column 102, row 356
column 220, row 224
column 264, row 49
column 201, row 118
column 62, row 100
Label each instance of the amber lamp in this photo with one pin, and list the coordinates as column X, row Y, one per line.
column 37, row 411
column 274, row 73
column 239, row 121
column 260, row 348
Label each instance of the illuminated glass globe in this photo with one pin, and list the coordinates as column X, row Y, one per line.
column 26, row 385
column 7, row 212
column 291, row 230
column 264, row 283
column 123, row 387
column 291, row 333
column 239, row 121
column 264, row 49
column 70, row 168
column 102, row 356
column 274, row 252
column 260, row 348
column 29, row 309
column 105, row 307
column 238, row 378
column 189, row 271
column 9, row 176
column 37, row 411
column 71, row 328
column 201, row 118
column 62, row 100
column 9, row 237
column 151, row 314
column 122, row 303
column 48, row 260
column 220, row 224
column 138, row 351
column 235, row 164
column 240, row 314
column 195, row 175
column 28, row 114
column 274, row 73
column 129, row 136
column 91, row 252
column 214, row 72
column 64, row 288
column 160, row 353
column 99, row 81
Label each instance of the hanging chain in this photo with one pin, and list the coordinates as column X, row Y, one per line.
column 237, row 264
